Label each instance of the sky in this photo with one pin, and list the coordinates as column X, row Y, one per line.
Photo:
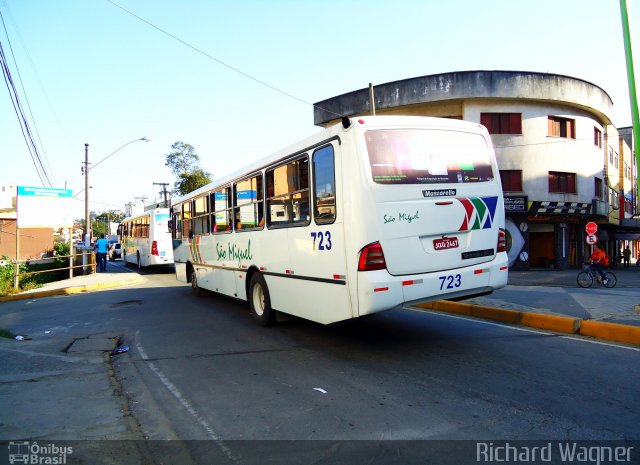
column 237, row 79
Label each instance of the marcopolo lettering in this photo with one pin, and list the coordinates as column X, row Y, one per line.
column 439, row 192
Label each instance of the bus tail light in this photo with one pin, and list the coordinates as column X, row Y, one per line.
column 502, row 241
column 154, row 248
column 372, row 258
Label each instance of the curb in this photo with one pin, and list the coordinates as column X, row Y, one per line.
column 71, row 290
column 560, row 324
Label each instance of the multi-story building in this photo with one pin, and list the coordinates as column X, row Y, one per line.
column 562, row 161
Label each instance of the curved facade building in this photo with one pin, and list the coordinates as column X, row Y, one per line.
column 562, row 161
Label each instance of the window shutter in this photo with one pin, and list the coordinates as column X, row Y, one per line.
column 571, row 183
column 485, row 120
column 515, row 123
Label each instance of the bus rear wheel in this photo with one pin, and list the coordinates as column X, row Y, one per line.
column 195, row 288
column 260, row 302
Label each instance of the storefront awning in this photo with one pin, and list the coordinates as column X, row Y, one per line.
column 627, row 236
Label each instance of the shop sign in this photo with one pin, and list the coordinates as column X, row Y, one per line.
column 516, row 204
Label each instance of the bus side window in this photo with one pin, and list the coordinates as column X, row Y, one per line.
column 288, row 194
column 186, row 220
column 220, row 202
column 324, row 185
column 248, row 202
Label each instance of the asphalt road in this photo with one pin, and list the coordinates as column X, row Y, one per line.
column 201, row 370
column 201, row 374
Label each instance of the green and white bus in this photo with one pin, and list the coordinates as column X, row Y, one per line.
column 369, row 215
column 146, row 239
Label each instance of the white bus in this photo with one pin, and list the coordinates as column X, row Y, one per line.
column 368, row 215
column 146, row 239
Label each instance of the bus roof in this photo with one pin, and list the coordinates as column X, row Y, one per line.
column 146, row 212
column 326, row 134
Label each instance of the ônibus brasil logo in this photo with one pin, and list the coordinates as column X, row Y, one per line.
column 479, row 212
column 34, row 453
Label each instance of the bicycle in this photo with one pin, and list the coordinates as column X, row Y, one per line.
column 589, row 275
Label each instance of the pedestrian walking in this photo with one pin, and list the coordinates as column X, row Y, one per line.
column 626, row 255
column 101, row 248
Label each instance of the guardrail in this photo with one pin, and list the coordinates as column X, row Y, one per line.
column 87, row 257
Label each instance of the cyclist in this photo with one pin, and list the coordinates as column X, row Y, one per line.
column 599, row 261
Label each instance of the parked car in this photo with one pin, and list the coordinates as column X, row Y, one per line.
column 115, row 251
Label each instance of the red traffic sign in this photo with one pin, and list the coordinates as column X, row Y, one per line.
column 592, row 239
column 591, row 228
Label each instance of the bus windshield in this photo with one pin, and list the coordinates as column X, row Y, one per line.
column 424, row 156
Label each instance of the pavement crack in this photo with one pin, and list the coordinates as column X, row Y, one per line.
column 217, row 354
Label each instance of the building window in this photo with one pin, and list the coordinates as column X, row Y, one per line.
column 562, row 182
column 511, row 180
column 562, row 127
column 613, row 197
column 615, row 159
column 597, row 137
column 627, row 170
column 598, row 188
column 502, row 123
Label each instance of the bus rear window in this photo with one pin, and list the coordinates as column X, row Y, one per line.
column 428, row 157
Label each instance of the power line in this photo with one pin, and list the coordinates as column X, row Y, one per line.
column 20, row 114
column 17, row 108
column 42, row 88
column 248, row 76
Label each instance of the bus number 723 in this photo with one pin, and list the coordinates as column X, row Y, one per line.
column 450, row 281
column 324, row 240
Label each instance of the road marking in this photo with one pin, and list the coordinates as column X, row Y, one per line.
column 184, row 402
column 526, row 330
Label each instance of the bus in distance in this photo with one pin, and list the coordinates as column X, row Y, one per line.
column 146, row 239
column 369, row 215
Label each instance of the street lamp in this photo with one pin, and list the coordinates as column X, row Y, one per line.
column 87, row 219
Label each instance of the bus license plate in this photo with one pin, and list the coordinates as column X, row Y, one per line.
column 445, row 243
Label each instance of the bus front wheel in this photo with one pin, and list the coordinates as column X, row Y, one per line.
column 260, row 302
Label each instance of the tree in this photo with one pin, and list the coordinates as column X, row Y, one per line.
column 182, row 159
column 189, row 182
column 184, row 163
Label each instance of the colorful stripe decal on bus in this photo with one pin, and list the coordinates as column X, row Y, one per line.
column 195, row 249
column 479, row 212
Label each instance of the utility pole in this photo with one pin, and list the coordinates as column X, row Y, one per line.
column 143, row 198
column 163, row 192
column 87, row 219
column 128, row 209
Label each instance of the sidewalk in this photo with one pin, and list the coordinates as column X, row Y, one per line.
column 552, row 300
column 557, row 293
column 115, row 276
